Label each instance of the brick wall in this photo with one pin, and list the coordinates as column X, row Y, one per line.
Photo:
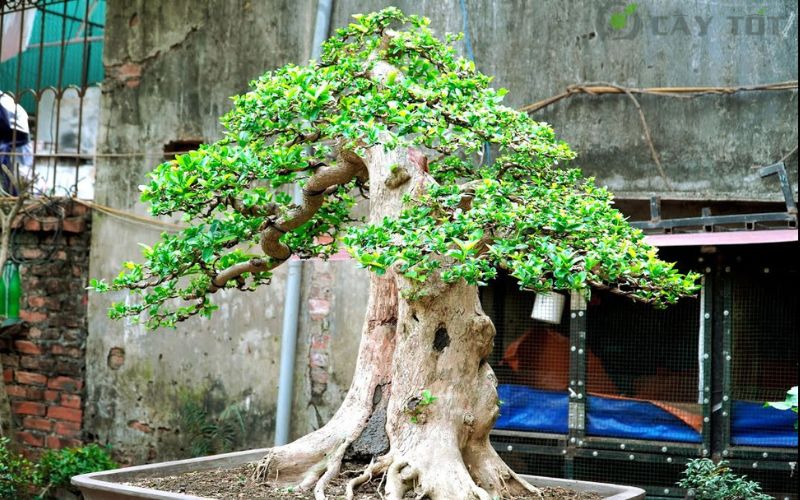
column 44, row 358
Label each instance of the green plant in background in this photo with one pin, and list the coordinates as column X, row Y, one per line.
column 208, row 435
column 20, row 478
column 790, row 403
column 16, row 472
column 709, row 481
column 56, row 467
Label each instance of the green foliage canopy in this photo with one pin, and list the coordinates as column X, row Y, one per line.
column 523, row 211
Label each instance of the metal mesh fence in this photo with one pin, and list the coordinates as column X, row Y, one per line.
column 616, row 391
column 764, row 327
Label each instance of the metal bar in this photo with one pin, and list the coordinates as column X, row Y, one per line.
column 726, row 358
column 764, row 465
column 718, row 443
column 2, row 29
column 655, row 209
column 38, row 97
column 527, row 435
column 665, row 448
column 705, row 352
column 14, row 165
column 57, row 99
column 82, row 95
column 66, row 16
column 91, row 39
column 717, row 219
column 759, row 453
column 533, row 449
column 577, row 369
column 780, row 169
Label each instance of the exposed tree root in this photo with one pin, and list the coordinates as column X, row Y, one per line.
column 374, row 467
column 332, row 470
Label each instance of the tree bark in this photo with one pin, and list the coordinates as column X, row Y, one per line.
column 438, row 448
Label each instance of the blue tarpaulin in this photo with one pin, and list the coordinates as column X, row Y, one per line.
column 535, row 410
column 754, row 425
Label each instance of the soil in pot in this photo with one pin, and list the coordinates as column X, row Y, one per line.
column 235, row 483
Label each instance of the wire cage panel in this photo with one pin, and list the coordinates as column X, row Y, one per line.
column 607, row 368
column 761, row 361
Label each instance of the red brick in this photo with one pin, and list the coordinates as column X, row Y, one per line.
column 25, row 391
column 35, row 393
column 56, row 443
column 74, row 225
column 78, row 209
column 30, row 378
column 17, row 391
column 27, row 347
column 116, row 358
column 28, row 408
column 40, row 424
column 50, row 395
column 8, row 375
column 64, row 413
column 70, row 401
column 9, row 360
column 65, row 384
column 68, row 429
column 32, row 316
column 37, row 301
column 32, row 253
column 140, row 426
column 34, row 333
column 30, row 439
column 33, row 363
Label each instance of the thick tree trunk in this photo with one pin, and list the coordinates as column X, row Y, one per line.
column 439, row 449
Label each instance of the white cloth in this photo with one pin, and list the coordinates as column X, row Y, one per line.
column 12, row 26
column 17, row 115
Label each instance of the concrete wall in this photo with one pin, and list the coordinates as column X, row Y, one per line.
column 707, row 145
column 171, row 67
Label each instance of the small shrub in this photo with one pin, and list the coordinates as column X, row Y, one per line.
column 209, row 435
column 20, row 478
column 56, row 467
column 709, row 481
column 16, row 472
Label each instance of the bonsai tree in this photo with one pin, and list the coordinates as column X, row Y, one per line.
column 392, row 111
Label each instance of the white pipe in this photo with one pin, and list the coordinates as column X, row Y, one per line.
column 291, row 311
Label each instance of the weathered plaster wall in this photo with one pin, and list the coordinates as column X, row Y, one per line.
column 708, row 145
column 171, row 67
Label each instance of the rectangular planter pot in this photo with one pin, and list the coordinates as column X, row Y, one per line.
column 108, row 485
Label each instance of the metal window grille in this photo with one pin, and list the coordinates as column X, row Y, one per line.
column 49, row 74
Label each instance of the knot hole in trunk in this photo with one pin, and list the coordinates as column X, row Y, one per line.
column 441, row 339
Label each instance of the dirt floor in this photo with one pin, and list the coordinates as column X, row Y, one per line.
column 235, row 483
